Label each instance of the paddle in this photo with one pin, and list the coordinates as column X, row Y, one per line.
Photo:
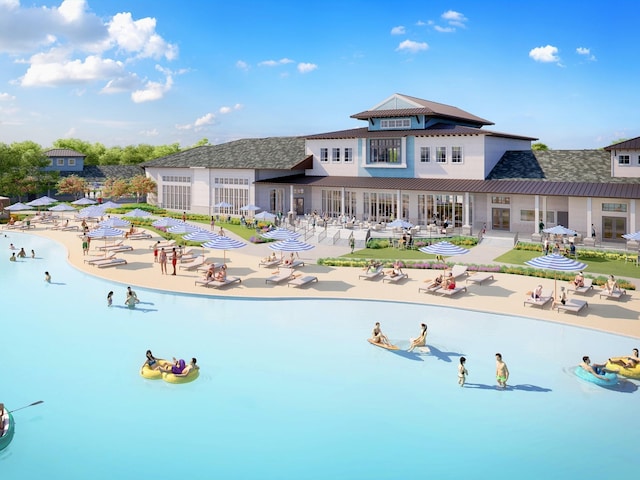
column 27, row 406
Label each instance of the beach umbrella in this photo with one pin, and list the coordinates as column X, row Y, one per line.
column 269, row 217
column 166, row 222
column 223, row 205
column 201, row 236
column 400, row 223
column 290, row 245
column 42, row 201
column 137, row 213
column 18, row 207
column 110, row 204
column 182, row 228
column 250, row 208
column 105, row 232
column 84, row 201
column 92, row 211
column 560, row 230
column 280, row 234
column 444, row 249
column 557, row 263
column 224, row 243
column 632, row 236
column 115, row 222
column 62, row 207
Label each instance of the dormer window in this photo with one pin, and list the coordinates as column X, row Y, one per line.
column 395, row 123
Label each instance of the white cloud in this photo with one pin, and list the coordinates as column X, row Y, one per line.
column 152, row 91
column 139, row 37
column 204, row 120
column 411, row 46
column 225, row 110
column 306, row 67
column 440, row 29
column 150, row 133
column 44, row 72
column 72, row 132
column 275, row 63
column 548, row 54
column 585, row 52
column 420, row 23
column 126, row 83
column 455, row 19
column 399, row 30
column 5, row 97
column 242, row 65
column 72, row 10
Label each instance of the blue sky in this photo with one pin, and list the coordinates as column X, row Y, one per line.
column 161, row 71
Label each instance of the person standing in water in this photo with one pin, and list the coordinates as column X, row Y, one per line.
column 109, row 299
column 462, row 372
column 502, row 372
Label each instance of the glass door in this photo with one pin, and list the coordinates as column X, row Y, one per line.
column 613, row 228
column 500, row 219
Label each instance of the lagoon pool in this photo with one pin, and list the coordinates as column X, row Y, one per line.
column 290, row 389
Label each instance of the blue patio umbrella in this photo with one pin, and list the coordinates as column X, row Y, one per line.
column 280, row 234
column 92, row 211
column 42, row 201
column 166, row 222
column 557, row 263
column 559, row 230
column 182, row 228
column 62, row 207
column 269, row 217
column 105, row 232
column 18, row 207
column 250, row 208
column 201, row 236
column 224, row 243
column 137, row 213
column 84, row 201
column 632, row 236
column 110, row 204
column 400, row 223
column 444, row 249
column 290, row 245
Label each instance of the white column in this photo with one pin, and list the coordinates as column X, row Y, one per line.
column 291, row 210
column 466, row 209
column 399, row 205
column 632, row 216
column 544, row 211
column 589, row 217
column 342, row 199
column 536, row 205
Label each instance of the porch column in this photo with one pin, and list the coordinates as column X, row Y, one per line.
column 466, row 228
column 632, row 216
column 536, row 206
column 588, row 240
column 342, row 199
column 291, row 210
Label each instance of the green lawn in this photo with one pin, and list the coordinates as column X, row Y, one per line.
column 389, row 253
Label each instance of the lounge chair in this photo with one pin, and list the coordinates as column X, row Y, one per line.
column 167, row 244
column 302, row 281
column 615, row 295
column 109, row 246
column 545, row 298
column 372, row 275
column 193, row 264
column 294, row 264
column 139, row 236
column 429, row 289
column 205, row 267
column 479, row 278
column 459, row 271
column 111, row 262
column 281, row 276
column 92, row 260
column 118, row 248
column 588, row 285
column 70, row 228
column 574, row 305
column 450, row 292
column 219, row 283
column 394, row 278
column 270, row 263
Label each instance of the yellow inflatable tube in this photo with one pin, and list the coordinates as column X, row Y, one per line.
column 633, row 372
column 150, row 373
column 191, row 376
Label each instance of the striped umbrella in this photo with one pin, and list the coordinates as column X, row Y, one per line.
column 105, row 232
column 290, row 245
column 115, row 222
column 137, row 213
column 280, row 234
column 62, row 207
column 110, row 204
column 182, row 228
column 224, row 243
column 557, row 263
column 42, row 201
column 92, row 211
column 632, row 236
column 166, row 222
column 444, row 249
column 84, row 201
column 201, row 236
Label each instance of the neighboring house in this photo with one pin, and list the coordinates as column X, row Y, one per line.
column 65, row 160
column 418, row 160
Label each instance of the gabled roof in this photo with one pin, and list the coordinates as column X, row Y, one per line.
column 99, row 173
column 63, row 152
column 632, row 144
column 280, row 153
column 399, row 105
column 438, row 129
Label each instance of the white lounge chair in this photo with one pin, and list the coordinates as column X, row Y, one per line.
column 429, row 289
column 479, row 278
column 205, row 267
column 269, row 263
column 139, row 236
column 167, row 244
column 281, row 276
column 219, row 283
column 302, row 281
column 459, row 270
column 573, row 305
column 193, row 264
column 118, row 248
column 112, row 262
column 394, row 278
column 372, row 275
column 92, row 260
column 588, row 285
column 450, row 292
column 294, row 264
column 109, row 246
column 615, row 295
column 545, row 298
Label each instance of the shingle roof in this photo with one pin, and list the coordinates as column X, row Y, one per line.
column 426, row 107
column 63, row 152
column 99, row 173
column 438, row 129
column 283, row 153
column 632, row 144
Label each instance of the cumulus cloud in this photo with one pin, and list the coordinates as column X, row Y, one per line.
column 455, row 19
column 547, row 54
column 43, row 72
column 242, row 65
column 275, row 63
column 205, row 120
column 152, row 91
column 5, row 97
column 139, row 37
column 411, row 46
column 306, row 67
column 585, row 52
column 150, row 133
column 399, row 30
column 225, row 110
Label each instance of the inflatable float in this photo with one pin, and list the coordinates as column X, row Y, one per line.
column 190, row 377
column 151, row 374
column 6, row 435
column 633, row 372
column 383, row 345
column 611, row 378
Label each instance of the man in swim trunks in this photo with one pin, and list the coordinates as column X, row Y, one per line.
column 502, row 372
column 186, row 370
column 597, row 369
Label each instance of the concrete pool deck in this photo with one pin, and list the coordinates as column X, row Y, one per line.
column 504, row 294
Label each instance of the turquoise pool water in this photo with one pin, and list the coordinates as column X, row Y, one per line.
column 290, row 389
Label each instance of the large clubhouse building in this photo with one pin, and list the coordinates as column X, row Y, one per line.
column 417, row 160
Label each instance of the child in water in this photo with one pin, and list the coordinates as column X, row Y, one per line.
column 462, row 372
column 109, row 299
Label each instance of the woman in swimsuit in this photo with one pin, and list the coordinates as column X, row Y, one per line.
column 421, row 340
column 378, row 337
column 151, row 361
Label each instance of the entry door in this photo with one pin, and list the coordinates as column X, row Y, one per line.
column 563, row 219
column 501, row 219
column 299, row 202
column 613, row 228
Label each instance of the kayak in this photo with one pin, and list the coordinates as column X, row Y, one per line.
column 7, row 432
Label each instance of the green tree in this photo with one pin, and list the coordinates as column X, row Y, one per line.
column 539, row 146
column 22, row 171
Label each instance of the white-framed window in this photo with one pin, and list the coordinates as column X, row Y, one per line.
column 324, row 154
column 335, row 154
column 624, row 160
column 72, row 162
column 425, row 154
column 456, row 154
column 441, row 154
column 527, row 215
column 60, row 162
column 385, row 150
column 348, row 155
column 391, row 123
